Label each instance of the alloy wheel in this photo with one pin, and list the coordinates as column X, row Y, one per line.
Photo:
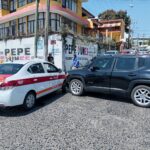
column 142, row 96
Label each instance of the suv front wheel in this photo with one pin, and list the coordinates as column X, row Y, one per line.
column 76, row 87
column 140, row 96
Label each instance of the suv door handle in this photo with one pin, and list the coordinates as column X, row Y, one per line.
column 131, row 74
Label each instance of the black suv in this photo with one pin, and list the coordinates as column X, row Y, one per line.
column 129, row 75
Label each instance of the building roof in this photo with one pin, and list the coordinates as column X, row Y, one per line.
column 85, row 12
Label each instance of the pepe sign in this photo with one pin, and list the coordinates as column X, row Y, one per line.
column 18, row 53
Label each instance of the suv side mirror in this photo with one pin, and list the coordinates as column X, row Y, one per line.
column 94, row 68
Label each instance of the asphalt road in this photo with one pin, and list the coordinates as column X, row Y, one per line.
column 90, row 122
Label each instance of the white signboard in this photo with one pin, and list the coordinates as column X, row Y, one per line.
column 18, row 49
column 23, row 49
column 84, row 52
column 55, row 48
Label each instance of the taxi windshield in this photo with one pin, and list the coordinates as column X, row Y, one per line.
column 10, row 68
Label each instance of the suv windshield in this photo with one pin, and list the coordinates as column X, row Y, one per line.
column 10, row 68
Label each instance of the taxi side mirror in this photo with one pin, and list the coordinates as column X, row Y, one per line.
column 59, row 70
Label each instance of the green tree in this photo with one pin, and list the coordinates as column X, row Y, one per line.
column 108, row 15
column 148, row 42
column 121, row 14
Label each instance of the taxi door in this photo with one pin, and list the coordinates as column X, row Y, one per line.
column 40, row 79
column 53, row 74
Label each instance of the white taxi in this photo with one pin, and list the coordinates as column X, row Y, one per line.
column 21, row 83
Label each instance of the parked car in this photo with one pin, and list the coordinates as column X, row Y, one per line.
column 128, row 52
column 111, row 52
column 142, row 51
column 121, row 74
column 21, row 83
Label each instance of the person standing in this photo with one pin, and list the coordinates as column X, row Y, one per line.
column 75, row 62
column 50, row 58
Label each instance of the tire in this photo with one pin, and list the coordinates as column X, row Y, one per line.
column 140, row 96
column 76, row 87
column 29, row 101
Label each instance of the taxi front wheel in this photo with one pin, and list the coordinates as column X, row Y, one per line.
column 29, row 101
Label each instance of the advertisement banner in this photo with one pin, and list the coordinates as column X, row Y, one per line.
column 18, row 49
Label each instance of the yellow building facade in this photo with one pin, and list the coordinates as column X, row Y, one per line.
column 17, row 17
column 112, row 29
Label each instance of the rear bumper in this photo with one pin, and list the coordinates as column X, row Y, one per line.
column 6, row 98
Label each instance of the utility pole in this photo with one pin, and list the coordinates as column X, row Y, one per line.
column 36, row 28
column 46, row 29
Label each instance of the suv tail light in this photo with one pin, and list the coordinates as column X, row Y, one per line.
column 7, row 85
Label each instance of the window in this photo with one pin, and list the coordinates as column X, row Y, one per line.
column 1, row 31
column 72, row 25
column 55, row 21
column 103, row 63
column 141, row 62
column 71, row 4
column 31, row 24
column 30, row 1
column 64, row 3
column 5, row 4
column 41, row 20
column 4, row 30
column 36, row 68
column 22, row 25
column 10, row 68
column 21, row 3
column 125, row 64
column 12, row 5
column 12, row 28
column 50, row 68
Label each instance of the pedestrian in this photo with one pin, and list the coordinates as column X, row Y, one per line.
column 50, row 58
column 75, row 62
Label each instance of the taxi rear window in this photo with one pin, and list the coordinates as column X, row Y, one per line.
column 10, row 68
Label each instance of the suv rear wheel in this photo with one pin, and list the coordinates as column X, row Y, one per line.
column 141, row 96
column 76, row 87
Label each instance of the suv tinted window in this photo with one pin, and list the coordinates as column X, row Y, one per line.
column 10, row 68
column 103, row 63
column 141, row 62
column 36, row 68
column 125, row 64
